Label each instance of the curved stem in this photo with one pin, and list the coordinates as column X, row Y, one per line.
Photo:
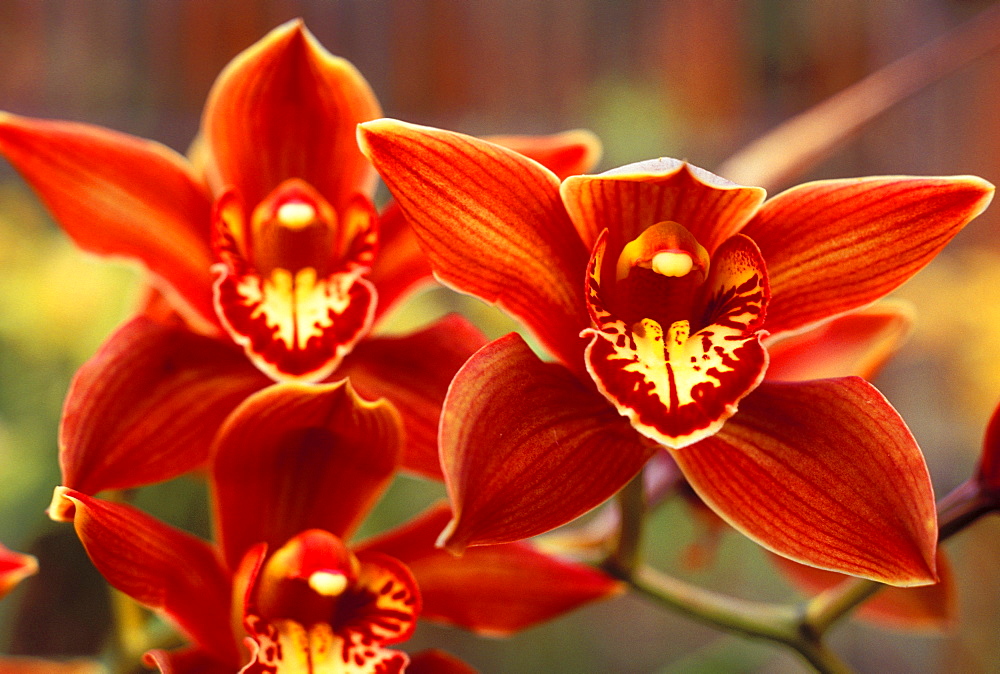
column 632, row 508
column 774, row 622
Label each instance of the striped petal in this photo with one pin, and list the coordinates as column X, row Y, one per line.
column 295, row 457
column 400, row 267
column 145, row 408
column 627, row 200
column 565, row 154
column 159, row 566
column 527, row 447
column 491, row 223
column 413, row 372
column 835, row 245
column 825, row 473
column 121, row 196
column 286, row 108
column 495, row 590
column 858, row 343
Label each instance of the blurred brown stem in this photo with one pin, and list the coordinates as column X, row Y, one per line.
column 778, row 157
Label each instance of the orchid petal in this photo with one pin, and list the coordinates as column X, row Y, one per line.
column 14, row 567
column 400, row 266
column 295, row 457
column 565, row 154
column 836, row 245
column 491, row 223
column 495, row 589
column 931, row 607
column 627, row 200
column 858, row 343
column 159, row 566
column 119, row 195
column 825, row 473
column 413, row 372
column 145, row 408
column 286, row 108
column 526, row 447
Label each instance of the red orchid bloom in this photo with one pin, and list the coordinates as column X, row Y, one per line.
column 266, row 256
column 294, row 470
column 676, row 278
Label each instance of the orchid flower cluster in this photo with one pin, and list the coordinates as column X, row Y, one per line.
column 691, row 336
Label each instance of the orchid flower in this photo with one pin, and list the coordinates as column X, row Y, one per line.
column 676, row 280
column 266, row 258
column 294, row 470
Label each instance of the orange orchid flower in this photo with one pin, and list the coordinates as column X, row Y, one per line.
column 267, row 260
column 675, row 278
column 294, row 470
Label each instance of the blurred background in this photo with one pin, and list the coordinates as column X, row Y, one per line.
column 695, row 79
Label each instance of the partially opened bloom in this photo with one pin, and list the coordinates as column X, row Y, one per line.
column 266, row 257
column 294, row 470
column 676, row 279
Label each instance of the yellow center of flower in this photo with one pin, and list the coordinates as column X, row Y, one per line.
column 328, row 583
column 296, row 214
column 672, row 263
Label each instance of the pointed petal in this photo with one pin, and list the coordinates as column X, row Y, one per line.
column 858, row 343
column 526, row 447
column 491, row 223
column 145, row 408
column 433, row 661
column 161, row 567
column 119, row 195
column 400, row 266
column 286, row 108
column 826, row 473
column 295, row 457
column 627, row 200
column 565, row 154
column 836, row 245
column 493, row 589
column 14, row 567
column 413, row 373
column 931, row 607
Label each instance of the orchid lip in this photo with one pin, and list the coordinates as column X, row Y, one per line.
column 290, row 289
column 671, row 349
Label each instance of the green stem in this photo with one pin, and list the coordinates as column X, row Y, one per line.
column 632, row 508
column 774, row 622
